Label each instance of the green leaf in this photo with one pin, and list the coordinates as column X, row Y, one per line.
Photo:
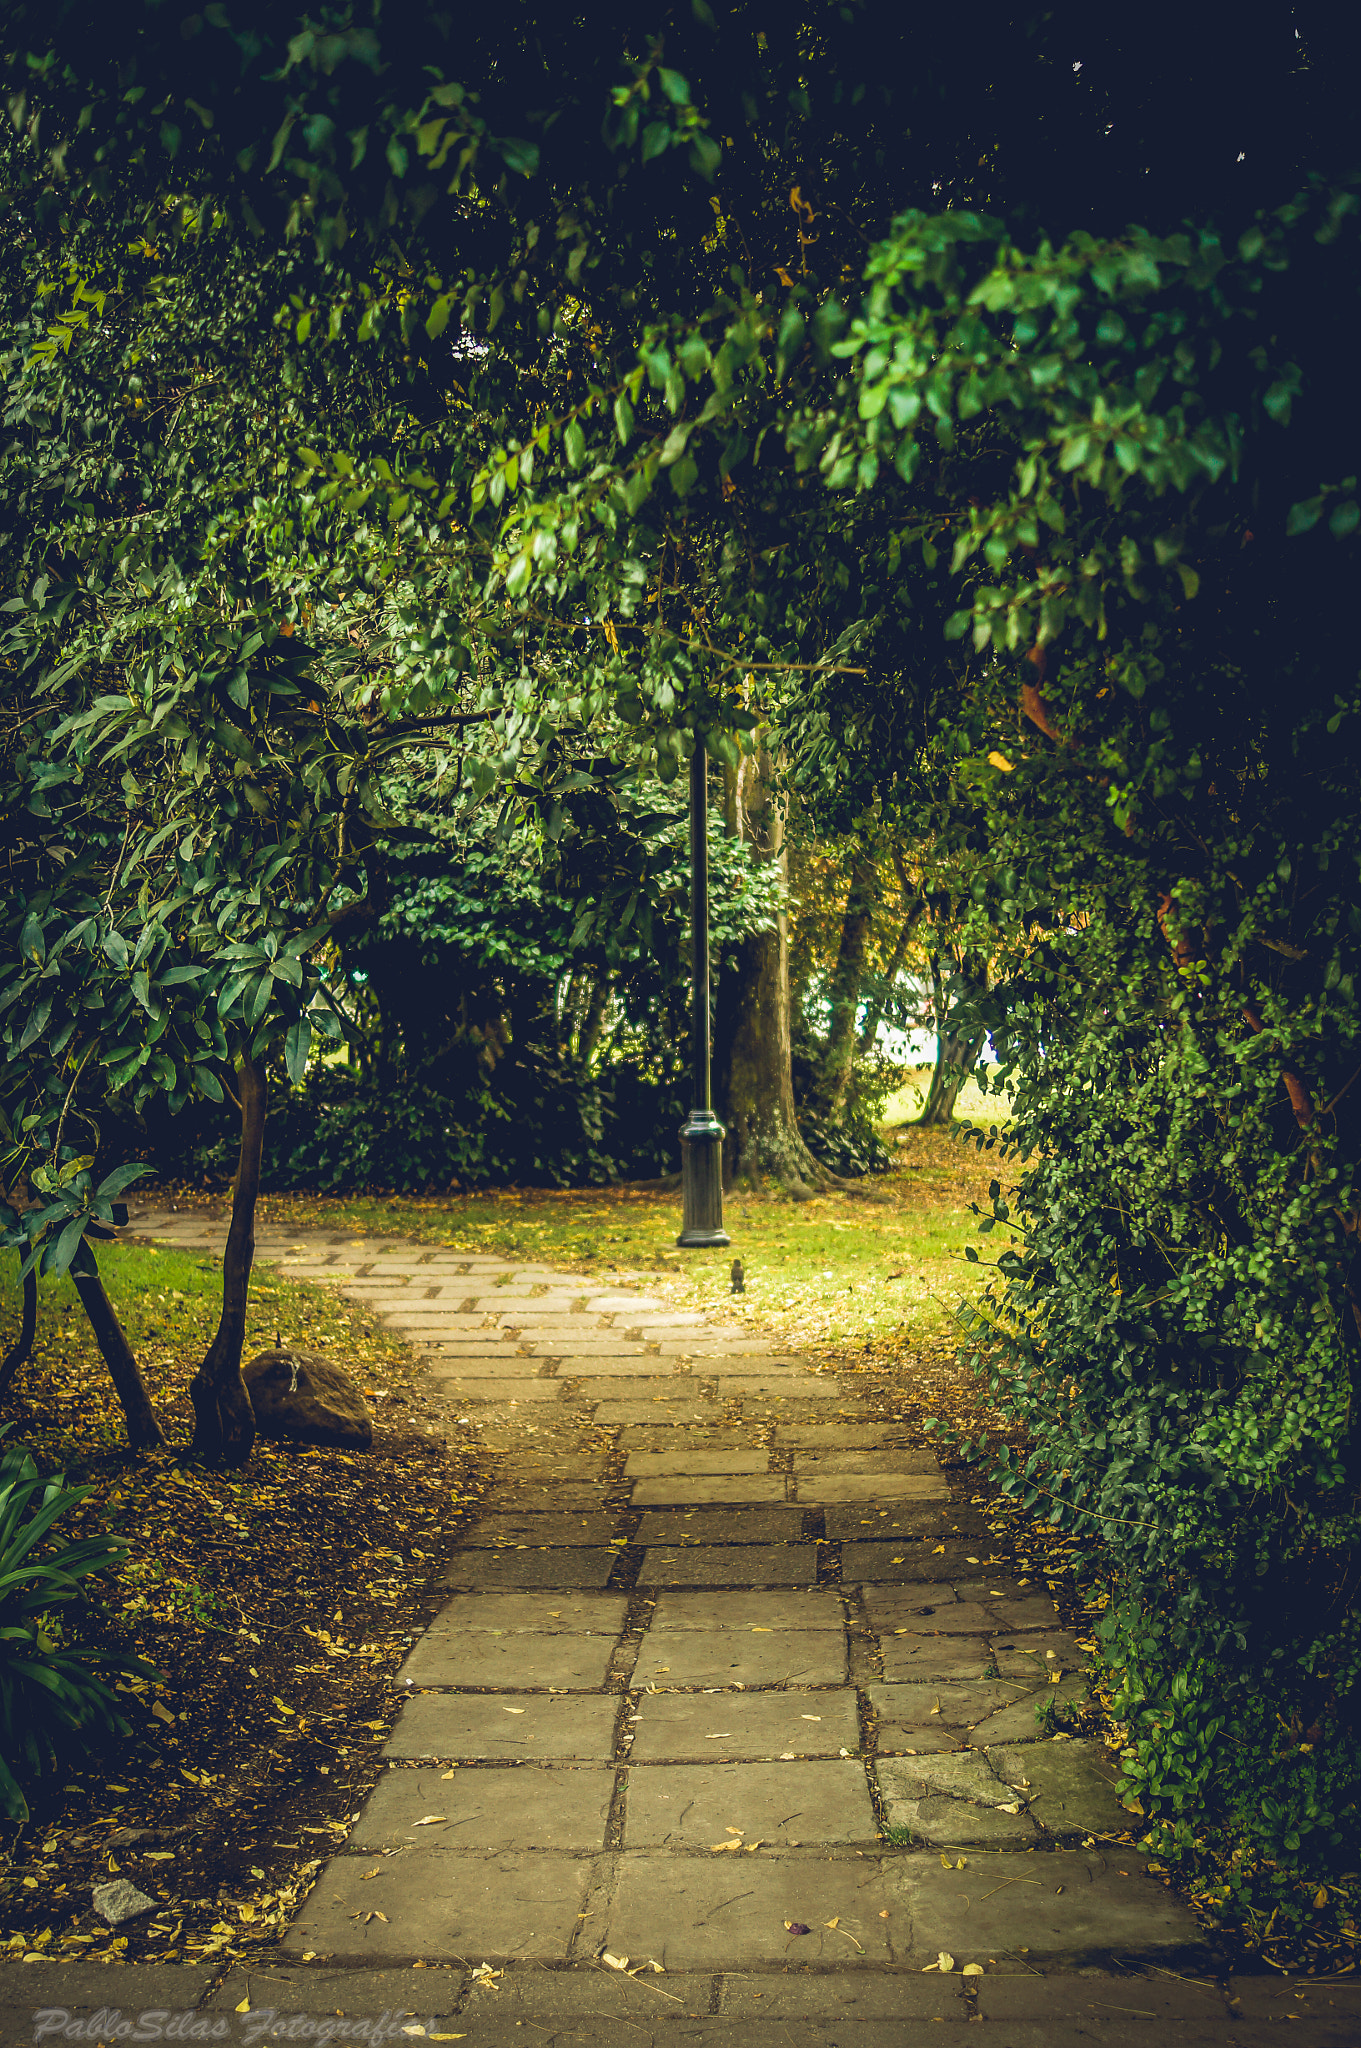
column 31, row 944
column 574, row 443
column 297, row 1045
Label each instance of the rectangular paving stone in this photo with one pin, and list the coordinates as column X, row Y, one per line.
column 675, row 1612
column 519, row 1808
column 952, row 1801
column 682, row 1491
column 694, row 1913
column 513, row 1729
column 696, row 1806
column 792, row 1564
column 724, row 1657
column 799, row 1386
column 1069, row 1786
column 890, row 1607
column 662, row 1410
column 608, row 1377
column 842, row 2003
column 682, row 1727
column 696, row 1461
column 1078, row 1909
column 932, row 1659
column 847, row 1436
column 1022, row 1656
column 461, row 1392
column 923, row 1716
column 566, row 1568
column 511, row 1532
column 810, row 1459
column 816, row 1487
column 620, row 1302
column 680, row 1526
column 567, row 1663
column 579, row 1342
column 546, row 1613
column 440, row 1904
column 910, row 1561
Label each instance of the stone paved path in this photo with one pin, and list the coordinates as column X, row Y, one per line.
column 728, row 1727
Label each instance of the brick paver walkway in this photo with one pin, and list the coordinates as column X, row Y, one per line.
column 728, row 1728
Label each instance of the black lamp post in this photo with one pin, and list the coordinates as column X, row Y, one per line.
column 701, row 1134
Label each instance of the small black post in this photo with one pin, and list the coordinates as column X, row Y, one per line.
column 702, row 1134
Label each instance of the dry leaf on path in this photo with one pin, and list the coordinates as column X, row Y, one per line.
column 430, row 1820
column 614, row 1962
column 796, row 1927
column 972, row 1970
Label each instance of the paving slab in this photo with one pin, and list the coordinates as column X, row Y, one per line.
column 794, row 1564
column 521, row 1807
column 801, row 1385
column 512, row 1729
column 1020, row 1656
column 611, row 1373
column 1065, row 1909
column 662, row 1410
column 678, row 1526
column 882, row 1460
column 891, row 1607
column 746, row 1611
column 698, row 1462
column 445, row 1904
column 567, row 1663
column 725, row 1657
column 685, row 1727
column 919, row 1717
column 289, row 1989
column 1022, row 1721
column 952, row 1799
column 693, row 1491
column 929, row 1659
column 499, row 1393
column 706, row 1806
column 546, row 1613
column 944, row 1612
column 1069, row 1786
column 840, row 1436
column 817, row 1487
column 703, row 1913
column 842, row 1999
column 507, row 1532
column 578, row 1342
column 566, row 1568
column 897, row 1533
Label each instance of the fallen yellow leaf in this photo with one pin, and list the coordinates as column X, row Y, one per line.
column 833, row 1923
column 244, row 2005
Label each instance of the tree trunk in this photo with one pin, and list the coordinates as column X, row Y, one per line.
column 224, row 1419
column 18, row 1352
column 956, row 1052
column 753, row 1080
column 875, row 1013
column 839, row 1053
column 144, row 1431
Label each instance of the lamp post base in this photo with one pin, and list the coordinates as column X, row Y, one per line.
column 702, row 1182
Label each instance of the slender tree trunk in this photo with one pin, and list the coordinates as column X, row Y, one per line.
column 19, row 1350
column 956, row 1052
column 847, row 979
column 875, row 1014
column 224, row 1419
column 144, row 1431
column 753, row 1080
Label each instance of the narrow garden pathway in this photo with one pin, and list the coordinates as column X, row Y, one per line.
column 728, row 1729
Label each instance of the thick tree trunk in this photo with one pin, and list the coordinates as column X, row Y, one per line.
column 144, row 1431
column 753, row 1082
column 839, row 1053
column 224, row 1419
column 956, row 1053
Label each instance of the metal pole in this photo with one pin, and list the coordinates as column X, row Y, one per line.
column 702, row 1134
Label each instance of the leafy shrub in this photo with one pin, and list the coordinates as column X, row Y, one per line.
column 51, row 1698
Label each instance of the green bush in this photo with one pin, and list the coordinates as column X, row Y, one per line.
column 52, row 1700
